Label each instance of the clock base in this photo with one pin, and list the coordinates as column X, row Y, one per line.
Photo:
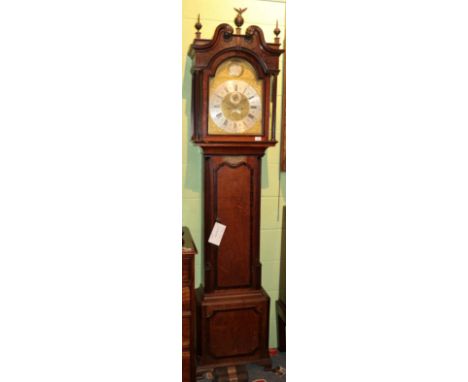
column 233, row 328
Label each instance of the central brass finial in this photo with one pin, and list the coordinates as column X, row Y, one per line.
column 239, row 20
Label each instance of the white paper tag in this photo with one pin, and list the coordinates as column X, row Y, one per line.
column 217, row 233
column 258, row 139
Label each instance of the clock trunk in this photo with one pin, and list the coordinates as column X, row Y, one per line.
column 232, row 197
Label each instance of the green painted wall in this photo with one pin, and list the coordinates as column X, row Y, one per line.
column 264, row 14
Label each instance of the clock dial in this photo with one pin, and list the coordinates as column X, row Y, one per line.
column 235, row 106
column 235, row 102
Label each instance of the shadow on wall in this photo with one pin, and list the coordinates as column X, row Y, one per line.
column 192, row 179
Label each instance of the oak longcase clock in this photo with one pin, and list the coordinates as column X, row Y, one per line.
column 234, row 80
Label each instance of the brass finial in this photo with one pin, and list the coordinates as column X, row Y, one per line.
column 277, row 31
column 239, row 20
column 198, row 26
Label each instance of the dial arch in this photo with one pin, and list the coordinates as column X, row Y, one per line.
column 235, row 104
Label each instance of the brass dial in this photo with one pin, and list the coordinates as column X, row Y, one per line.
column 235, row 103
column 235, row 106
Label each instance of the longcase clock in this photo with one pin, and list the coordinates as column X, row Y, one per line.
column 234, row 80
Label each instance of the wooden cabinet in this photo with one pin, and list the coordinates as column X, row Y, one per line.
column 188, row 307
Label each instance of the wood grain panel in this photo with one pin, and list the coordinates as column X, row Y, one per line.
column 243, row 326
column 186, row 332
column 186, row 298
column 186, row 271
column 234, row 209
column 186, row 367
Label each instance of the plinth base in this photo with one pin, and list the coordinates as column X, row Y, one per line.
column 232, row 328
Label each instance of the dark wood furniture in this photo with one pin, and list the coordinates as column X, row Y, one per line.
column 188, row 307
column 232, row 307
